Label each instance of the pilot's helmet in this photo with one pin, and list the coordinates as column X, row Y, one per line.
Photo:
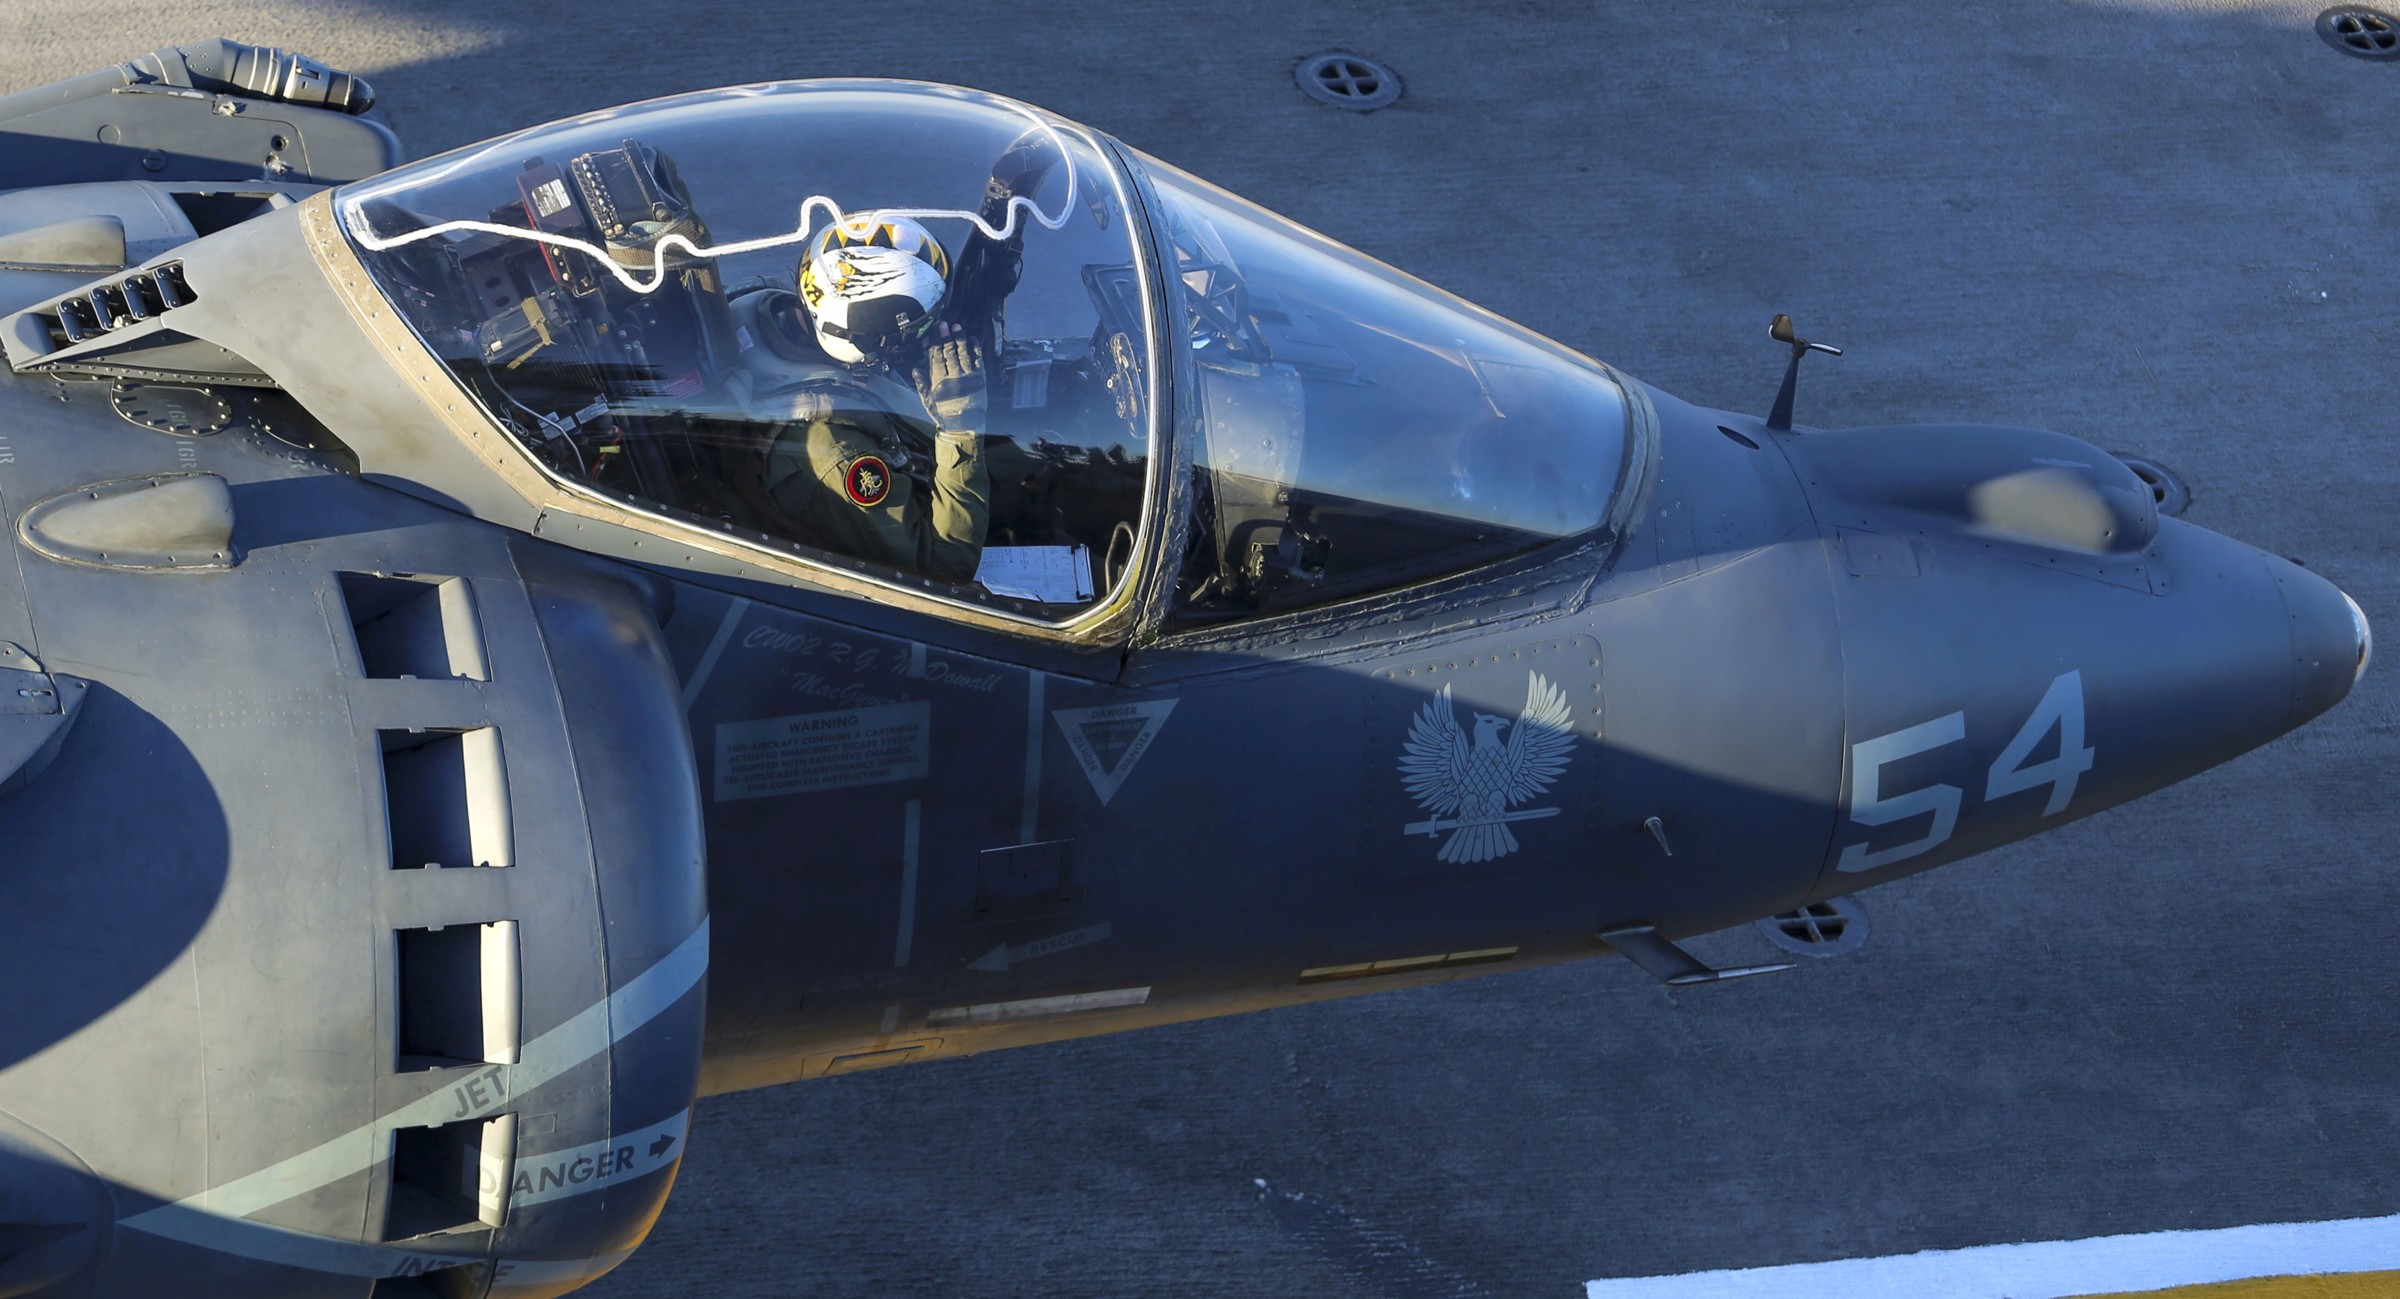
column 872, row 286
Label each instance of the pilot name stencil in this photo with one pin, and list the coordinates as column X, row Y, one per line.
column 815, row 686
column 1469, row 785
column 910, row 662
column 1107, row 741
column 816, row 751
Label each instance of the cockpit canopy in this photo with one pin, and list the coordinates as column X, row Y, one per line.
column 916, row 333
column 1361, row 430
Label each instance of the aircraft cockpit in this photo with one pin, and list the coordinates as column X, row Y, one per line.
column 726, row 309
column 931, row 339
column 1360, row 430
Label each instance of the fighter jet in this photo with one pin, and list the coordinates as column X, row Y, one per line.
column 810, row 577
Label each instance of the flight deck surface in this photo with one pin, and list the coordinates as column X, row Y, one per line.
column 2164, row 227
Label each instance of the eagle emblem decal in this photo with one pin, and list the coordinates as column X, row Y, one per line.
column 1470, row 785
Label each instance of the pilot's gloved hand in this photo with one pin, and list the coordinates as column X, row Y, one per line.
column 788, row 405
column 950, row 381
column 800, row 405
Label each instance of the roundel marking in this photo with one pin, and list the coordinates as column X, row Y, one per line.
column 868, row 480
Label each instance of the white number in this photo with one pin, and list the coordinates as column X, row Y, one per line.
column 2062, row 707
column 2061, row 710
column 1869, row 807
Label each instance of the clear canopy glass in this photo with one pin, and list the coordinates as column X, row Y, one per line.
column 906, row 329
column 1360, row 429
column 957, row 393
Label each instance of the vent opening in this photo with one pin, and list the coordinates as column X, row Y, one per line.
column 458, row 995
column 446, row 798
column 2167, row 488
column 2360, row 32
column 1832, row 928
column 461, row 1282
column 1348, row 81
column 210, row 212
column 449, row 1178
column 140, row 297
column 409, row 626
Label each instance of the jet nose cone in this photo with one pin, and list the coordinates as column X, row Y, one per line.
column 2331, row 641
column 2366, row 638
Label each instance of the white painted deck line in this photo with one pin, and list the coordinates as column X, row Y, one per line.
column 2049, row 1269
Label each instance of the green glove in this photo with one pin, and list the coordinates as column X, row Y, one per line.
column 950, row 381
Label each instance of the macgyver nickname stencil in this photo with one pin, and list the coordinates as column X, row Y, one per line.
column 1470, row 785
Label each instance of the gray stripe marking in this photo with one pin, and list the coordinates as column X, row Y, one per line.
column 716, row 648
column 564, row 1174
column 281, row 1245
column 1030, row 813
column 215, row 1218
column 908, row 885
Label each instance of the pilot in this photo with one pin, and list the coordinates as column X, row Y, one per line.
column 852, row 370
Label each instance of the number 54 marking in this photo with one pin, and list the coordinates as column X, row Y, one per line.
column 2061, row 709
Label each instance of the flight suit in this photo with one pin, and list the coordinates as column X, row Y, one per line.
column 847, row 487
column 837, row 467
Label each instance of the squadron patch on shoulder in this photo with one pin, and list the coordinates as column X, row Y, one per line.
column 868, row 480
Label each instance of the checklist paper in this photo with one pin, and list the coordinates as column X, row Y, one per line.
column 1050, row 574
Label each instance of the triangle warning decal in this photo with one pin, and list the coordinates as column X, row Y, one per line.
column 1108, row 741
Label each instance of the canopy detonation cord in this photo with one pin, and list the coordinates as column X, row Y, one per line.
column 361, row 228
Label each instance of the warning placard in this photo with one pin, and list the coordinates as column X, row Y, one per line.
column 1108, row 741
column 812, row 751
